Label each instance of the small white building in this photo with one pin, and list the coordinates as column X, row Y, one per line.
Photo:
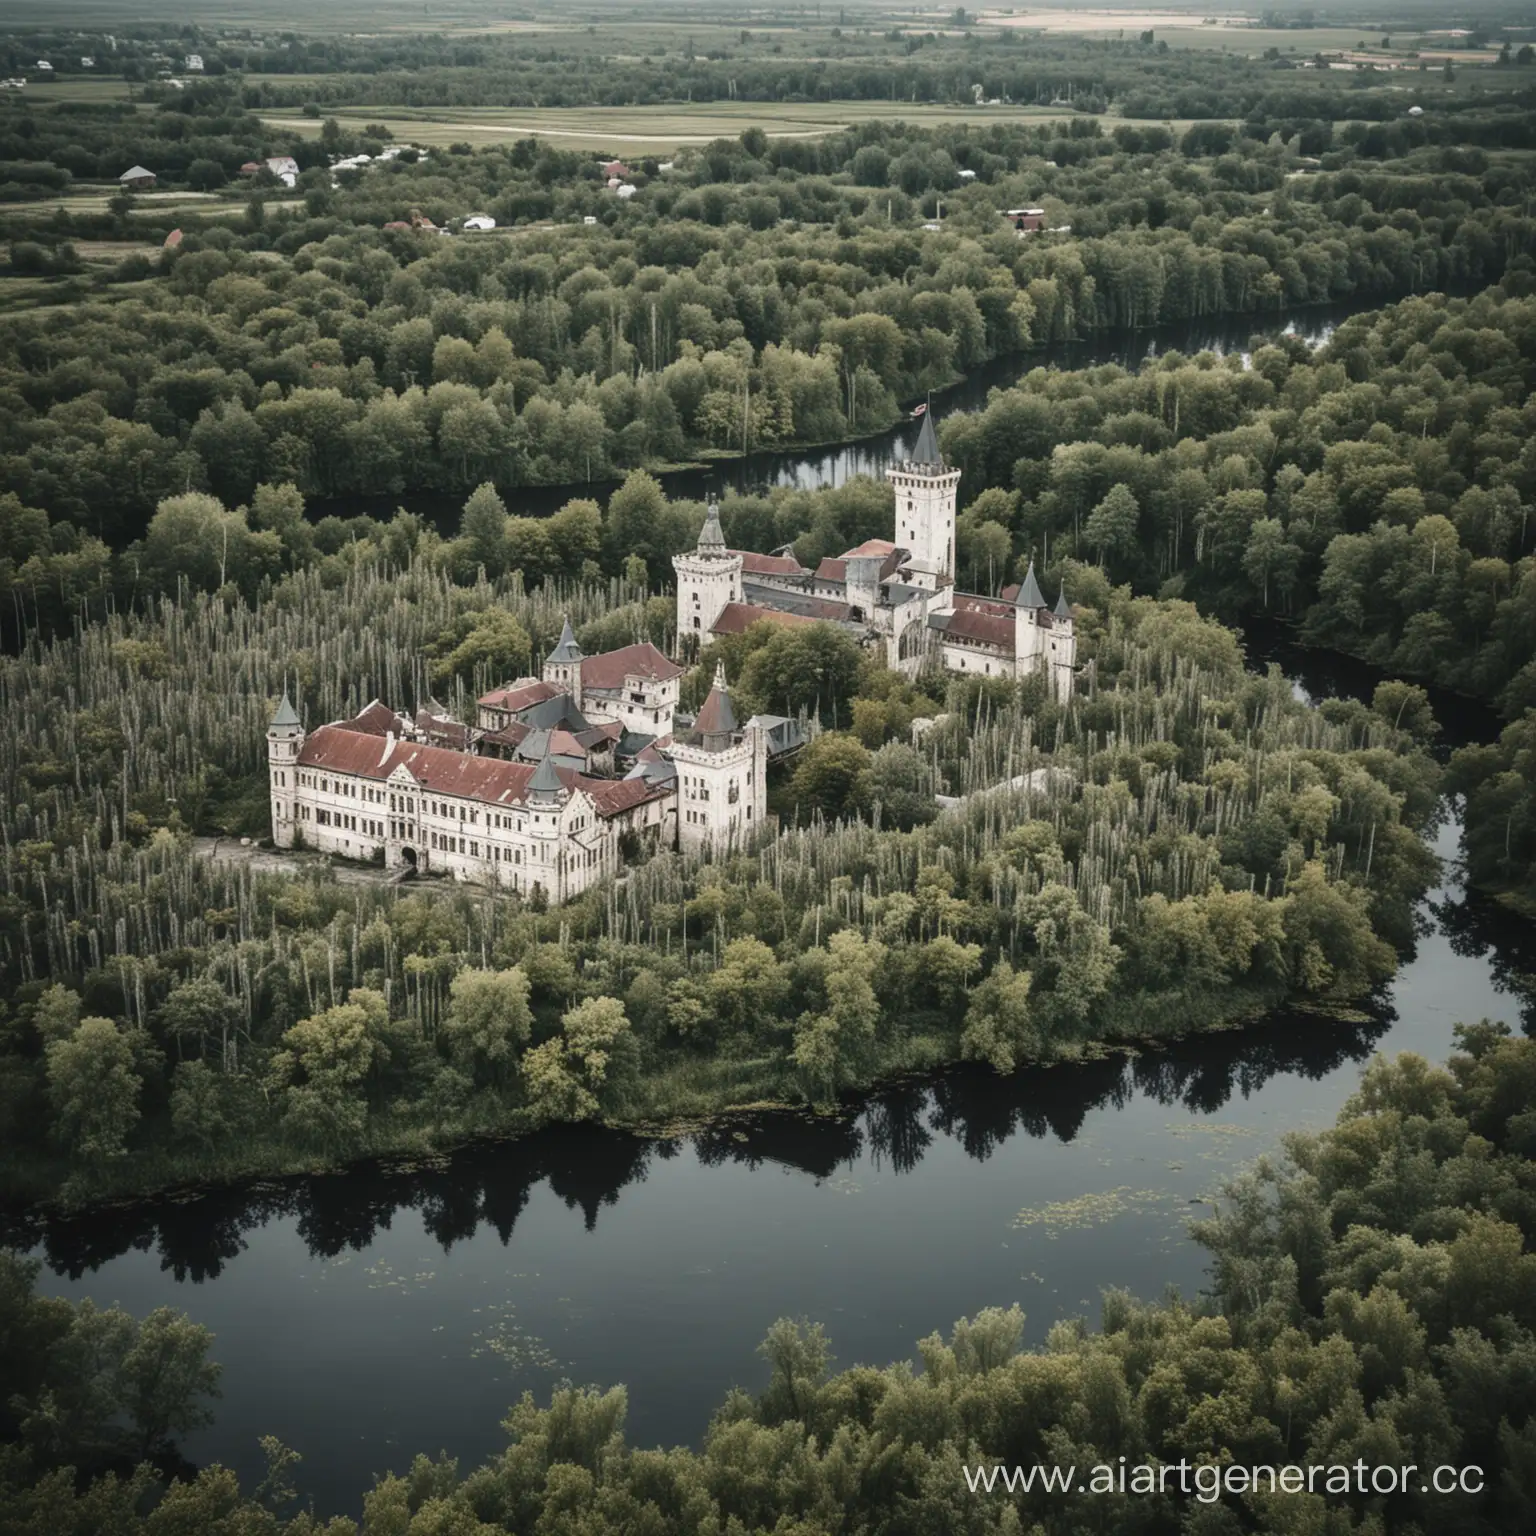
column 479, row 221
column 193, row 64
column 87, row 62
column 722, row 776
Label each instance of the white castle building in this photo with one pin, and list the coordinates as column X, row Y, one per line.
column 529, row 800
column 899, row 593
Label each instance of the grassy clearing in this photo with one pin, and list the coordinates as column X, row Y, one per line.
column 638, row 130
column 82, row 88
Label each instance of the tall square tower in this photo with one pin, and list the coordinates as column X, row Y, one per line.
column 926, row 489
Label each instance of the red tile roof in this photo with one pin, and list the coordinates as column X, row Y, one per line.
column 984, row 628
column 881, row 547
column 490, row 780
column 997, row 607
column 769, row 565
column 513, row 697
column 643, row 660
column 375, row 719
column 737, row 618
column 832, row 570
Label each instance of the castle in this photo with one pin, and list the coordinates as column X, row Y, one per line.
column 898, row 593
column 565, row 775
column 532, row 798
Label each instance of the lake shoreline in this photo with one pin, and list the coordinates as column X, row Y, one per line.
column 41, row 1189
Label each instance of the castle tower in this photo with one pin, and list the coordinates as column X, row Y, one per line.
column 925, row 504
column 285, row 740
column 722, row 777
column 1029, row 621
column 1061, row 649
column 547, row 799
column 562, row 666
column 708, row 578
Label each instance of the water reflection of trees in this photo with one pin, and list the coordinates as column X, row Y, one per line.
column 1478, row 928
column 589, row 1168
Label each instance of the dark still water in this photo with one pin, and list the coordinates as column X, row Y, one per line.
column 366, row 1316
column 814, row 469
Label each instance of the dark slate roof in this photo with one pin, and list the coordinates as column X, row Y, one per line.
column 801, row 603
column 1063, row 609
column 1030, row 595
column 286, row 714
column 559, row 710
column 567, row 649
column 545, row 780
column 927, row 450
column 716, row 718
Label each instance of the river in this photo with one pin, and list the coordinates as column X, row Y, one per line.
column 364, row 1316
column 811, row 469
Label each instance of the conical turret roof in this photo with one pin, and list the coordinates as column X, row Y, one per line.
column 927, row 450
column 1063, row 609
column 286, row 713
column 711, row 535
column 567, row 649
column 716, row 718
column 545, row 781
column 1030, row 595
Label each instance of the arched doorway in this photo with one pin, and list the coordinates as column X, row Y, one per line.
column 408, row 857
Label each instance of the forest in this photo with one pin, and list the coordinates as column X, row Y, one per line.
column 1197, row 843
column 1371, row 1297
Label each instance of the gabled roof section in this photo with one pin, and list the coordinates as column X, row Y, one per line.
column 769, row 565
column 1030, row 595
column 643, row 660
column 377, row 719
column 737, row 618
column 286, row 713
column 518, row 696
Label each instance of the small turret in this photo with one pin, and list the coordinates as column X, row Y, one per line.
column 545, row 788
column 712, row 536
column 1063, row 609
column 716, row 724
column 1030, row 596
column 285, row 740
column 562, row 667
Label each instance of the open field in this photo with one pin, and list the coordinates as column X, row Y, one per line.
column 1234, row 32
column 86, row 88
column 148, row 204
column 638, row 130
